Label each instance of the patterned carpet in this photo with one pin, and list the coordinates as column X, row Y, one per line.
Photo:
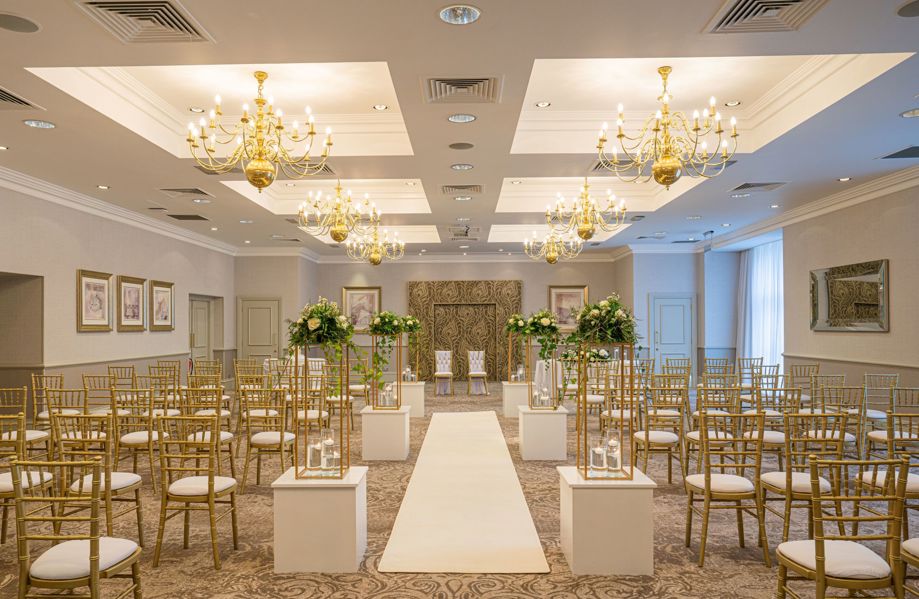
column 729, row 572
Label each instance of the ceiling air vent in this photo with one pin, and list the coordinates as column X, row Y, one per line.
column 763, row 16
column 753, row 187
column 185, row 192
column 637, row 217
column 186, row 216
column 10, row 101
column 460, row 189
column 145, row 21
column 481, row 90
column 684, row 241
column 910, row 152
column 294, row 239
column 464, row 233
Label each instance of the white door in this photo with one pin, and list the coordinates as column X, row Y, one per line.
column 200, row 329
column 259, row 321
column 671, row 328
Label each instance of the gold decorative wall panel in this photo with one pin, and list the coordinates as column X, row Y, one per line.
column 850, row 298
column 466, row 309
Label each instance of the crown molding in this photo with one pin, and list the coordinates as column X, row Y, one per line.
column 49, row 192
column 278, row 252
column 495, row 258
column 683, row 248
column 871, row 190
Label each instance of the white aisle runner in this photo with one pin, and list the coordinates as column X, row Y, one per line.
column 464, row 510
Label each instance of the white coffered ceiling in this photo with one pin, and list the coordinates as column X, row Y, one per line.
column 816, row 105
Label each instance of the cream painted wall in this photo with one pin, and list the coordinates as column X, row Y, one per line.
column 881, row 228
column 718, row 300
column 52, row 241
column 661, row 273
column 20, row 318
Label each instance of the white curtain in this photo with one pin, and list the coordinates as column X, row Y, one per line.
column 760, row 312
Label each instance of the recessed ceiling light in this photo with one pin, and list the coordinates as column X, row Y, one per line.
column 463, row 219
column 277, row 236
column 195, row 109
column 39, row 124
column 732, row 103
column 17, row 24
column 462, row 198
column 201, row 201
column 461, row 166
column 103, row 187
column 460, row 14
column 500, row 249
column 515, row 182
column 464, row 253
column 464, row 247
column 844, row 179
column 289, row 184
column 213, row 228
column 423, row 250
column 775, row 206
column 3, row 148
column 692, row 239
column 694, row 217
column 410, row 183
column 246, row 221
column 725, row 225
column 543, row 104
column 910, row 114
column 910, row 9
column 461, row 145
column 461, row 118
column 247, row 241
column 740, row 195
column 380, row 107
column 660, row 233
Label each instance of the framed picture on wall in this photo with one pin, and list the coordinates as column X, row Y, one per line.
column 360, row 303
column 162, row 306
column 131, row 304
column 566, row 302
column 94, row 299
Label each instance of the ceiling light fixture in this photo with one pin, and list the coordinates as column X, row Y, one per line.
column 289, row 184
column 461, row 145
column 460, row 14
column 461, row 166
column 725, row 225
column 670, row 143
column 910, row 114
column 196, row 109
column 462, row 198
column 201, row 201
column 585, row 214
column 246, row 221
column 694, row 217
column 4, row 148
column 464, row 253
column 380, row 107
column 461, row 118
column 102, row 187
column 515, row 182
column 463, row 219
column 339, row 216
column 692, row 239
column 844, row 179
column 423, row 250
column 247, row 241
column 553, row 247
column 740, row 195
column 259, row 139
column 732, row 103
column 38, row 124
column 17, row 24
column 464, row 247
column 213, row 228
column 277, row 236
column 543, row 104
column 410, row 183
column 372, row 249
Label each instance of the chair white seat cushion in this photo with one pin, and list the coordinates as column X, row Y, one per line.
column 911, row 546
column 881, row 436
column 849, row 437
column 875, row 414
column 45, row 415
column 721, row 483
column 768, row 413
column 35, row 477
column 31, row 435
column 912, row 481
column 120, row 480
column 477, row 373
column 211, row 411
column 711, row 413
column 769, row 437
column 268, row 438
column 140, row 437
column 205, row 436
column 169, row 412
column 108, row 411
column 262, row 412
column 844, row 559
column 336, row 399
column 357, row 387
column 311, row 414
column 664, row 412
column 70, row 559
column 443, row 373
column 197, row 485
column 617, row 414
column 812, row 411
column 91, row 435
column 800, row 481
column 658, row 437
column 594, row 399
column 714, row 435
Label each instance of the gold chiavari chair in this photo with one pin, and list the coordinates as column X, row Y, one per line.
column 602, row 384
column 208, row 402
column 135, row 427
column 79, row 556
column 66, row 401
column 800, row 376
column 98, row 389
column 40, row 383
column 717, row 366
column 189, row 479
column 730, row 475
column 244, row 382
column 208, row 368
column 663, row 429
column 90, row 436
column 715, row 401
column 877, row 397
column 843, row 560
column 774, row 403
column 792, row 486
column 176, row 367
column 749, row 369
column 266, row 433
column 124, row 376
column 684, row 363
column 334, row 401
column 849, row 401
column 12, row 448
column 165, row 402
column 167, row 372
column 675, row 381
column 309, row 404
column 356, row 387
column 16, row 401
column 645, row 370
column 203, row 381
column 900, row 400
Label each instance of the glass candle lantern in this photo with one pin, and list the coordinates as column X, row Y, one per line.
column 386, row 355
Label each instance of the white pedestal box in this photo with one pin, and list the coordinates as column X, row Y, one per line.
column 320, row 524
column 513, row 395
column 607, row 526
column 413, row 396
column 543, row 433
column 385, row 434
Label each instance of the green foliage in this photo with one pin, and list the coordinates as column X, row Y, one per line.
column 607, row 321
column 516, row 324
column 543, row 325
column 320, row 324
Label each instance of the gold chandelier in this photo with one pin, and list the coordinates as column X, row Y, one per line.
column 372, row 249
column 671, row 143
column 553, row 247
column 338, row 217
column 259, row 139
column 585, row 215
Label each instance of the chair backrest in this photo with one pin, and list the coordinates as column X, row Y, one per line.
column 843, row 399
column 264, row 410
column 66, row 399
column 204, row 381
column 903, row 436
column 124, row 376
column 877, row 389
column 208, row 367
column 165, row 371
column 14, row 400
column 800, row 375
column 12, row 439
column 725, row 399
column 806, row 435
column 98, row 389
column 40, row 383
column 84, row 437
column 443, row 360
column 476, row 361
column 197, row 399
column 720, row 380
column 719, row 366
column 661, row 401
column 253, row 381
column 670, row 381
column 249, row 370
column 175, row 366
column 188, row 447
column 782, row 400
column 904, row 399
column 731, row 444
column 133, row 410
column 818, row 381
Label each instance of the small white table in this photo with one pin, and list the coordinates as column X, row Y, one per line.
column 543, row 433
column 607, row 526
column 385, row 434
column 320, row 525
column 413, row 396
column 512, row 396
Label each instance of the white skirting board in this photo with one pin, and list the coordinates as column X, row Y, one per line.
column 464, row 510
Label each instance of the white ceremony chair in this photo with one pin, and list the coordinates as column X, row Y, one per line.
column 443, row 370
column 476, row 371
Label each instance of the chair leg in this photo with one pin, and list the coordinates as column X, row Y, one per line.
column 740, row 522
column 159, row 534
column 138, row 510
column 248, row 458
column 233, row 520
column 135, row 580
column 186, row 527
column 689, row 514
column 5, row 524
column 705, row 513
column 212, row 516
column 787, row 523
column 783, row 580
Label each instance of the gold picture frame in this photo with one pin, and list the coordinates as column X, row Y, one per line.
column 131, row 304
column 162, row 306
column 94, row 301
column 566, row 301
column 360, row 303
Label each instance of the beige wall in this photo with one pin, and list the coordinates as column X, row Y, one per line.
column 877, row 229
column 661, row 273
column 717, row 281
column 45, row 239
